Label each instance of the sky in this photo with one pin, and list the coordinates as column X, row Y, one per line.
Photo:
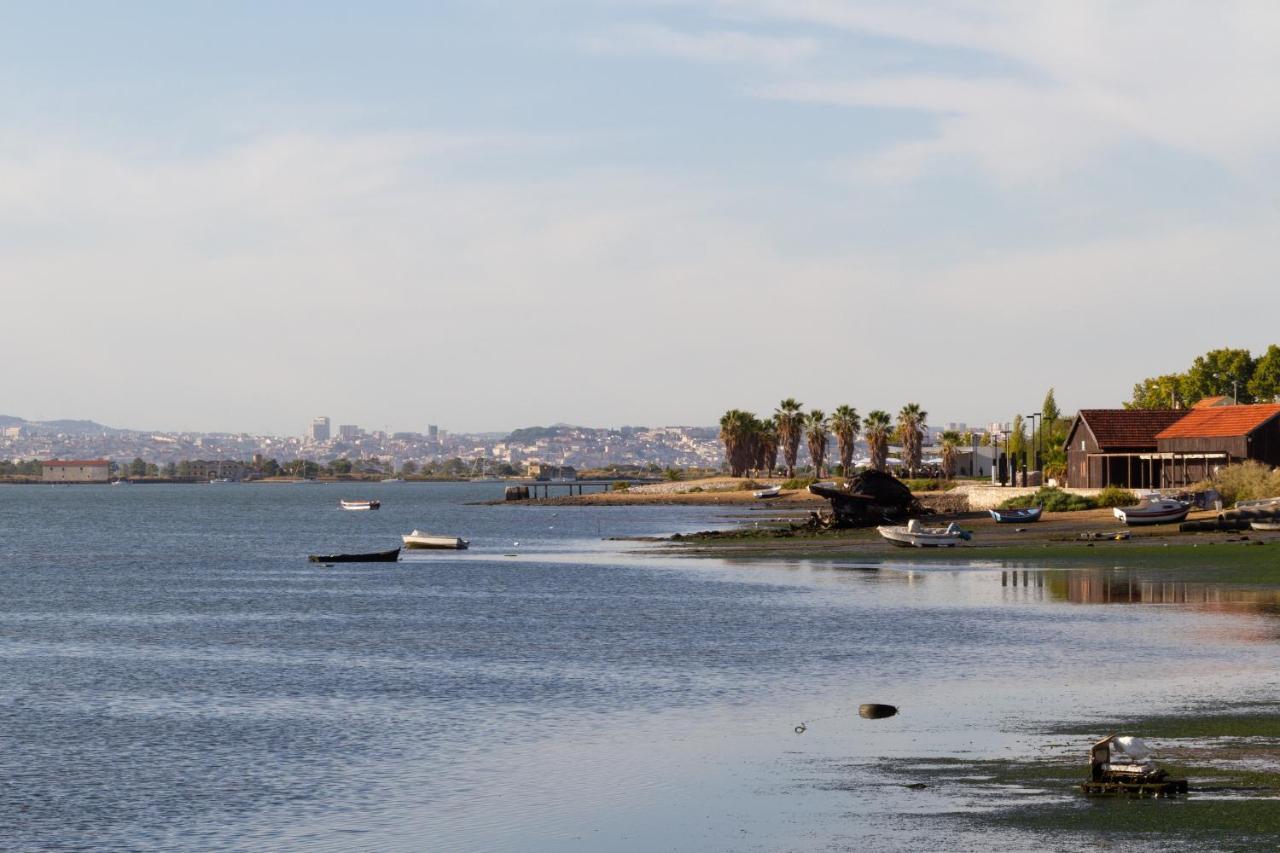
column 485, row 215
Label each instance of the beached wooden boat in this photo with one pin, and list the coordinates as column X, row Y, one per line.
column 1260, row 503
column 1152, row 512
column 359, row 505
column 915, row 535
column 1017, row 516
column 1265, row 525
column 771, row 492
column 372, row 557
column 418, row 539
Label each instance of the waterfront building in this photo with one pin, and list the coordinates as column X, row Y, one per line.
column 1117, row 447
column 75, row 471
column 320, row 428
column 1211, row 436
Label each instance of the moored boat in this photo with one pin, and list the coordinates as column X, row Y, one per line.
column 1017, row 516
column 915, row 535
column 1152, row 512
column 771, row 492
column 372, row 557
column 359, row 505
column 418, row 539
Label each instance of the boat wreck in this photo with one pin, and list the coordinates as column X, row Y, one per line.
column 868, row 499
column 1120, row 764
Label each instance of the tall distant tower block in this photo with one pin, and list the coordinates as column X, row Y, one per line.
column 320, row 428
column 433, row 432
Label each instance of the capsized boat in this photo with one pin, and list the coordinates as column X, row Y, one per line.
column 373, row 557
column 359, row 505
column 915, row 535
column 1152, row 512
column 1017, row 516
column 771, row 492
column 418, row 539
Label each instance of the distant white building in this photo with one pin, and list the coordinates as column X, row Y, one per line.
column 320, row 428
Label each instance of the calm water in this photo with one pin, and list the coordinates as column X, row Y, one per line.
column 175, row 675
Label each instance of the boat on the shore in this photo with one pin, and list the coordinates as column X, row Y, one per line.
column 771, row 492
column 359, row 505
column 418, row 539
column 1260, row 503
column 915, row 535
column 1152, row 512
column 1266, row 526
column 1017, row 516
column 372, row 557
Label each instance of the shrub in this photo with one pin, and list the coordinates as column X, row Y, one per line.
column 1246, row 482
column 620, row 486
column 1053, row 500
column 673, row 475
column 696, row 489
column 799, row 482
column 1115, row 496
column 748, row 486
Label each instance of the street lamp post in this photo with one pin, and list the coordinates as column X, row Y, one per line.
column 1036, row 439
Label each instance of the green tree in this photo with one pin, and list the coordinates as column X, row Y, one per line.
column 815, row 433
column 1219, row 372
column 341, row 466
column 790, row 419
column 1264, row 385
column 846, row 425
column 877, row 428
column 911, row 422
column 1158, row 392
column 409, row 468
column 1017, row 438
column 170, row 469
column 137, row 468
column 767, row 446
column 950, row 443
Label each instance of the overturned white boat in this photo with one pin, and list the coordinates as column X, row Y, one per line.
column 418, row 539
column 358, row 506
column 915, row 535
column 770, row 492
column 1152, row 512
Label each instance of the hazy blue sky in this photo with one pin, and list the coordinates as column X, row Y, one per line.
column 232, row 216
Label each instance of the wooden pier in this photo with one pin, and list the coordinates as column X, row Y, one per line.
column 570, row 487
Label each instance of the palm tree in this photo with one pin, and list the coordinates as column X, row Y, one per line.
column 950, row 439
column 876, row 428
column 910, row 428
column 790, row 420
column 735, row 432
column 815, row 433
column 767, row 447
column 846, row 424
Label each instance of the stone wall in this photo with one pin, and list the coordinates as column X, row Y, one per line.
column 983, row 497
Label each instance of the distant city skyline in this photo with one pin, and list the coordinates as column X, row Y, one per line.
column 481, row 214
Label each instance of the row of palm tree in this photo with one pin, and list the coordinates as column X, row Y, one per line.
column 752, row 444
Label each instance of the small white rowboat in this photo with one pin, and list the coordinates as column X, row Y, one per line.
column 916, row 535
column 771, row 492
column 1152, row 512
column 359, row 505
column 418, row 539
column 1265, row 525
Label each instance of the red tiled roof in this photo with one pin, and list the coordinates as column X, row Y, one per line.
column 1129, row 427
column 75, row 462
column 1222, row 421
column 1208, row 402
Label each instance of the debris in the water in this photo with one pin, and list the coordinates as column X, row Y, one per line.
column 1121, row 764
column 916, row 786
column 801, row 729
column 874, row 711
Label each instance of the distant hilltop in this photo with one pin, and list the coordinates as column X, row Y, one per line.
column 66, row 426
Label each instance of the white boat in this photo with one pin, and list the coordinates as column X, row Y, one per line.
column 1152, row 512
column 418, row 539
column 1265, row 525
column 1261, row 503
column 771, row 492
column 392, row 480
column 359, row 505
column 915, row 535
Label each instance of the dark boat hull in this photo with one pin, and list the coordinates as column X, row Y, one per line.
column 375, row 557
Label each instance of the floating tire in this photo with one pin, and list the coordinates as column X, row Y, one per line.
column 872, row 711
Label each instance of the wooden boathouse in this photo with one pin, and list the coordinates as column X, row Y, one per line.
column 1210, row 437
column 1117, row 447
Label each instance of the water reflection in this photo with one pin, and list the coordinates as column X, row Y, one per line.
column 1109, row 587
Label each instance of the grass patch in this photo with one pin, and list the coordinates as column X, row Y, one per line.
column 928, row 485
column 799, row 482
column 1115, row 496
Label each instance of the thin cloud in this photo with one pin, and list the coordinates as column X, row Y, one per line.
column 722, row 46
